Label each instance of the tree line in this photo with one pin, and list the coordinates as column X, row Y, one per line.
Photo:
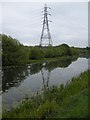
column 15, row 53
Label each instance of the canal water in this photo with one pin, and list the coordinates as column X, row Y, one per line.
column 23, row 82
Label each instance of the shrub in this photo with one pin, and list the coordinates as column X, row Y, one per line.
column 35, row 53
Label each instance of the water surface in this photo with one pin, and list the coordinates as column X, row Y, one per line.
column 22, row 82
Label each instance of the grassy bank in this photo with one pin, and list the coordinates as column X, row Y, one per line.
column 66, row 101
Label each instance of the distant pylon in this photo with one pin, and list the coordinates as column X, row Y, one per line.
column 45, row 39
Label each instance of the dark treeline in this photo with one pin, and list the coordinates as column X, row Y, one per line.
column 15, row 53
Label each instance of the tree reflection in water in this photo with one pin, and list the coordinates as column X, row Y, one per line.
column 12, row 77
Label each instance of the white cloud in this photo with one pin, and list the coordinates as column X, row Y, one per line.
column 70, row 22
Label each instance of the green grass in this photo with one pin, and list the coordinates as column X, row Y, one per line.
column 69, row 101
column 75, row 106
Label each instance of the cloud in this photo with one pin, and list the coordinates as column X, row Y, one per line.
column 70, row 22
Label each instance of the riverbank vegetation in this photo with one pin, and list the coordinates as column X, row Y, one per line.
column 14, row 53
column 67, row 101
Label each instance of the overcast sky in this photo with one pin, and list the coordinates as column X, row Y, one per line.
column 69, row 22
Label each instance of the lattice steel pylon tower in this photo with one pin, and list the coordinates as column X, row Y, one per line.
column 45, row 35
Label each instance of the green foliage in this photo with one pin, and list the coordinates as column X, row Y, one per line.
column 46, row 109
column 13, row 52
column 57, row 51
column 74, row 51
column 61, row 87
column 35, row 53
column 75, row 106
column 49, row 52
column 75, row 85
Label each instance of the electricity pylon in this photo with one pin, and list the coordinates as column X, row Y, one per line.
column 45, row 35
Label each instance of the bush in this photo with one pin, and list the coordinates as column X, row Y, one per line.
column 49, row 52
column 13, row 53
column 36, row 53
